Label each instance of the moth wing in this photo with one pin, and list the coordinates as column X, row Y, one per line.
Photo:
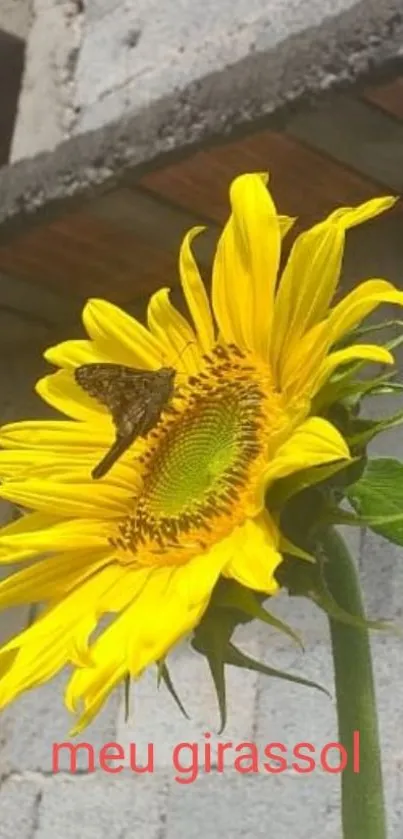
column 117, row 387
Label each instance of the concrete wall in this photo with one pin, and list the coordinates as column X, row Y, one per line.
column 36, row 804
column 16, row 17
column 93, row 62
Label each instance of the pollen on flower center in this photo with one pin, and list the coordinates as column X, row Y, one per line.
column 200, row 462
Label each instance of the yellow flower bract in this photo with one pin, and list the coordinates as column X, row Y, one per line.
column 148, row 542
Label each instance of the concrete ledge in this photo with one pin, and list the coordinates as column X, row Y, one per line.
column 280, row 62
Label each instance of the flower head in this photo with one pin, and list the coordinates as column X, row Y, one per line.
column 185, row 504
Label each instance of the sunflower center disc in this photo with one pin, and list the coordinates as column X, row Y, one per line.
column 199, row 464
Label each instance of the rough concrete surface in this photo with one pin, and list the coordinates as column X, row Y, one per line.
column 16, row 16
column 35, row 803
column 152, row 78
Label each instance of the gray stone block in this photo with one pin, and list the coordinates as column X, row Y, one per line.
column 381, row 574
column 20, row 800
column 241, row 806
column 292, row 713
column 303, row 616
column 101, row 807
column 38, row 719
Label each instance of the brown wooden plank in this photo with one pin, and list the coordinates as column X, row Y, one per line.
column 388, row 96
column 85, row 256
column 304, row 182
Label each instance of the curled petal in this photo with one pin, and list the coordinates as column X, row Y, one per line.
column 246, row 264
column 195, row 292
column 173, row 332
column 120, row 337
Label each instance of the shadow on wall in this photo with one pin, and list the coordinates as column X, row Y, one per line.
column 12, row 53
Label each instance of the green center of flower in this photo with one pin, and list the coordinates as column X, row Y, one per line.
column 194, row 456
column 199, row 461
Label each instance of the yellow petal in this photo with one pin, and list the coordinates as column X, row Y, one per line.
column 312, row 272
column 360, row 303
column 246, row 264
column 51, row 578
column 195, row 292
column 314, row 442
column 169, row 605
column 75, row 353
column 70, row 534
column 36, row 659
column 65, row 467
column 20, row 461
column 86, row 500
column 299, row 372
column 61, row 392
column 174, row 333
column 364, row 352
column 120, row 337
column 28, row 523
column 256, row 555
column 57, row 435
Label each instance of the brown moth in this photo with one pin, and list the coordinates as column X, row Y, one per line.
column 135, row 399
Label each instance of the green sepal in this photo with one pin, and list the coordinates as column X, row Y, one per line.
column 288, row 547
column 378, row 498
column 360, row 331
column 303, row 580
column 394, row 343
column 165, row 677
column 235, row 596
column 387, row 387
column 364, row 430
column 341, row 385
column 212, row 639
column 239, row 659
column 286, row 488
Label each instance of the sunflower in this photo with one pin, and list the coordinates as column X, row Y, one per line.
column 147, row 543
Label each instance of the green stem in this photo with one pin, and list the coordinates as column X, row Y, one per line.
column 363, row 810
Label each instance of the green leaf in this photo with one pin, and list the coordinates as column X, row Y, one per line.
column 235, row 596
column 378, row 498
column 164, row 676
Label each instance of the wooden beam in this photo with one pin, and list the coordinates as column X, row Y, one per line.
column 154, row 219
column 388, row 97
column 84, row 256
column 304, row 181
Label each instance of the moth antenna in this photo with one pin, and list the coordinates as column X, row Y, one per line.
column 183, row 350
